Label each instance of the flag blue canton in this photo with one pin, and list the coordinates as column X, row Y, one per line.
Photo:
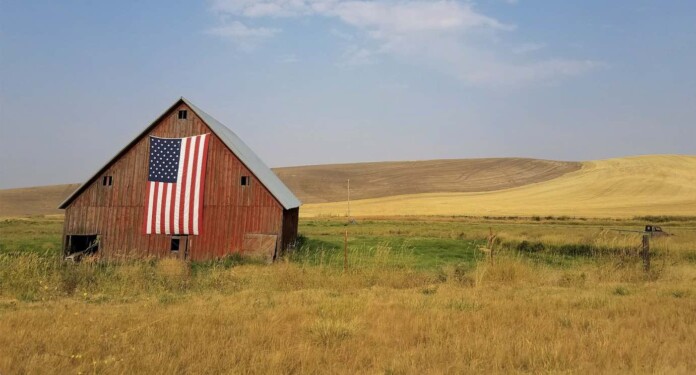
column 164, row 159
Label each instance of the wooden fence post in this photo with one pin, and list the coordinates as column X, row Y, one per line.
column 645, row 254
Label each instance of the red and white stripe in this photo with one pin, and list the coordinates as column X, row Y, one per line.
column 175, row 208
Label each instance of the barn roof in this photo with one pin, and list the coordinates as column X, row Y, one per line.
column 265, row 175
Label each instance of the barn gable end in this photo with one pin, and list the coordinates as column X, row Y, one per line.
column 111, row 203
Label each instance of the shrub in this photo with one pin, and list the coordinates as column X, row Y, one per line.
column 575, row 250
column 530, row 247
column 680, row 293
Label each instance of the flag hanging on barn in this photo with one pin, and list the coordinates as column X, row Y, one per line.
column 176, row 174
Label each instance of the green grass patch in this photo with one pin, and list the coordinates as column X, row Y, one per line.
column 419, row 242
column 36, row 235
column 417, row 252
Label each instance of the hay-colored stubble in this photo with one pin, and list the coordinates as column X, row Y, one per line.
column 624, row 187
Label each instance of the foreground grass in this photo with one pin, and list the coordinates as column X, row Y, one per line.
column 394, row 310
column 506, row 316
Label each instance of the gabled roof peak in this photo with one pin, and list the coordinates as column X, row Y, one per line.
column 245, row 154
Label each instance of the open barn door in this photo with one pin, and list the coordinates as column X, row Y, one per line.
column 179, row 247
column 78, row 245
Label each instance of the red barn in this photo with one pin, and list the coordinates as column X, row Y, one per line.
column 237, row 204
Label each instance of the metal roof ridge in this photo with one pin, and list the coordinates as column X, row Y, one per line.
column 249, row 158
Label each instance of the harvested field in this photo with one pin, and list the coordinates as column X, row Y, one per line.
column 38, row 200
column 623, row 187
column 327, row 183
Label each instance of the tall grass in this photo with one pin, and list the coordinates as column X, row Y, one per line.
column 531, row 310
column 302, row 316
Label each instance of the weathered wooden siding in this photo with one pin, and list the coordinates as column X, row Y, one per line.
column 230, row 210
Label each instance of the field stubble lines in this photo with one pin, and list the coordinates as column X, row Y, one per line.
column 624, row 187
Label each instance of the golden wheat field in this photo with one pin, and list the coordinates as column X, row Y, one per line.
column 623, row 187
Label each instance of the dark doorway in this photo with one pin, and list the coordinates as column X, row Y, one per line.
column 81, row 244
column 179, row 246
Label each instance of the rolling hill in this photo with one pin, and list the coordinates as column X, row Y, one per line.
column 643, row 185
column 39, row 200
column 327, row 183
column 623, row 187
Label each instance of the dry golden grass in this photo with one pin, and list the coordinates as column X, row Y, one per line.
column 386, row 314
column 506, row 316
column 624, row 187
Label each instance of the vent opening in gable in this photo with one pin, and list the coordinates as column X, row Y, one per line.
column 183, row 114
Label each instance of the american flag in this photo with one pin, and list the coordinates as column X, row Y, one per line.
column 175, row 185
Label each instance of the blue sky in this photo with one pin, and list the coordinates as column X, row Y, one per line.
column 329, row 81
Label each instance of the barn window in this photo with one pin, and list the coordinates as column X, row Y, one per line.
column 182, row 114
column 107, row 180
column 246, row 180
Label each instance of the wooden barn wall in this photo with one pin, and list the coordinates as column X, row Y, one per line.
column 230, row 210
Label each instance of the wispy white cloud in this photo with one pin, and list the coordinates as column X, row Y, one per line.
column 413, row 16
column 265, row 8
column 244, row 36
column 405, row 15
column 447, row 35
column 356, row 56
